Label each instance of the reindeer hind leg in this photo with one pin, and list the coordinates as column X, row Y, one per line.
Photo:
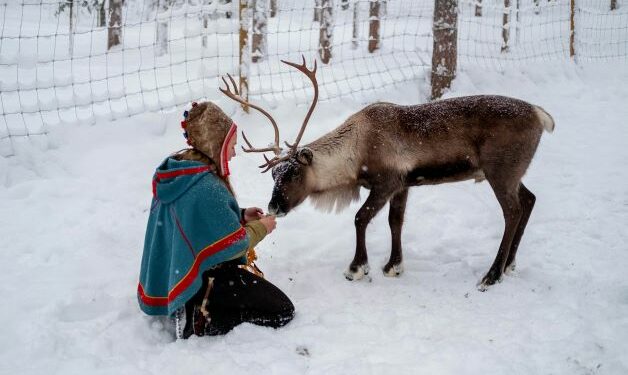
column 527, row 200
column 507, row 194
column 394, row 266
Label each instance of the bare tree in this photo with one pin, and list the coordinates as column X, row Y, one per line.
column 356, row 25
column 71, row 29
column 374, row 25
column 115, row 23
column 326, row 27
column 444, row 55
column 102, row 15
column 318, row 10
column 273, row 8
column 258, row 42
column 506, row 26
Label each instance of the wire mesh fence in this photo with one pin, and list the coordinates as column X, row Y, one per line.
column 85, row 60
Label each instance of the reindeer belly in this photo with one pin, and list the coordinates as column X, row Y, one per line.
column 443, row 172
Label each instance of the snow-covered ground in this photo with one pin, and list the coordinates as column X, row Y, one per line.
column 72, row 220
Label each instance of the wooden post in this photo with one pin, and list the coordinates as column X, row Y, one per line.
column 506, row 26
column 478, row 8
column 572, row 29
column 243, row 70
column 613, row 4
column 373, row 25
column 258, row 40
column 115, row 23
column 344, row 4
column 161, row 29
column 444, row 52
column 325, row 34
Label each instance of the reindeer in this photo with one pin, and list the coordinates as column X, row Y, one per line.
column 388, row 148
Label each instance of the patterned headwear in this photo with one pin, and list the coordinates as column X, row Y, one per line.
column 209, row 130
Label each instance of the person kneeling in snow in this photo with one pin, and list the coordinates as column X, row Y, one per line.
column 197, row 239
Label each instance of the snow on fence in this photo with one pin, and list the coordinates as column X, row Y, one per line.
column 85, row 60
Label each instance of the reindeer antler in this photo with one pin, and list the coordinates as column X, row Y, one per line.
column 311, row 74
column 236, row 96
column 270, row 163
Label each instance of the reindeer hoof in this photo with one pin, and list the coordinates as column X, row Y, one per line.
column 393, row 270
column 488, row 280
column 510, row 270
column 357, row 272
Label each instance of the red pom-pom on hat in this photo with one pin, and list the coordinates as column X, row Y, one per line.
column 184, row 124
column 194, row 104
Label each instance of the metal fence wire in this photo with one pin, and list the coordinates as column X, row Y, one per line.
column 86, row 60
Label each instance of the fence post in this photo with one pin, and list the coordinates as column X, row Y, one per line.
column 325, row 34
column 478, row 8
column 115, row 23
column 572, row 29
column 373, row 25
column 243, row 70
column 506, row 26
column 258, row 40
column 613, row 4
column 444, row 52
column 344, row 4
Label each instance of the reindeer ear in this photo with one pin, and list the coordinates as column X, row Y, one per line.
column 304, row 156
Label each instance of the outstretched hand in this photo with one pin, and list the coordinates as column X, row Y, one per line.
column 253, row 213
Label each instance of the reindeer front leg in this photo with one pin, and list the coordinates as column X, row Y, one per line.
column 375, row 201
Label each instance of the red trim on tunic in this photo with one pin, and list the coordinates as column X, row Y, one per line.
column 181, row 172
column 187, row 280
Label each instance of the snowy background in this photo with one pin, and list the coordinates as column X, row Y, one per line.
column 72, row 220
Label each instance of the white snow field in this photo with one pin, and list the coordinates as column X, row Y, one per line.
column 73, row 214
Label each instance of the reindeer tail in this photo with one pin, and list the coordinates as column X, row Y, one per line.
column 545, row 118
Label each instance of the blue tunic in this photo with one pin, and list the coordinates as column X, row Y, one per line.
column 194, row 224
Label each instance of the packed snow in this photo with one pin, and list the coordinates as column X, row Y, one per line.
column 73, row 209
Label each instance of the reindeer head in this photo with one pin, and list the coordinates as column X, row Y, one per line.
column 290, row 168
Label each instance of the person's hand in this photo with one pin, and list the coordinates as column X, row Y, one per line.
column 269, row 222
column 253, row 213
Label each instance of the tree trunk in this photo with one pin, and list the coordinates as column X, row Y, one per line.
column 273, row 8
column 318, row 10
column 260, row 8
column 356, row 25
column 478, row 8
column 244, row 58
column 161, row 31
column 444, row 52
column 102, row 15
column 373, row 25
column 326, row 29
column 506, row 26
column 71, row 30
column 115, row 24
column 613, row 4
